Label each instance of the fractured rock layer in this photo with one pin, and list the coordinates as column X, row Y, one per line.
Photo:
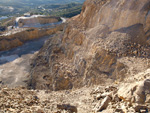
column 89, row 50
column 25, row 34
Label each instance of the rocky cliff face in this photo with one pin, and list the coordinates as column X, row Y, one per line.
column 98, row 46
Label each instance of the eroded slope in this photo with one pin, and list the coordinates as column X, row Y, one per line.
column 93, row 45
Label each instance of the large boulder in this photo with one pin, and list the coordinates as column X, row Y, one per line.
column 138, row 92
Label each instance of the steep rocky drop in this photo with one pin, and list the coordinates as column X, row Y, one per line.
column 106, row 43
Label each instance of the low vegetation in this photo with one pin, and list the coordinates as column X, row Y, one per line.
column 65, row 10
column 57, row 7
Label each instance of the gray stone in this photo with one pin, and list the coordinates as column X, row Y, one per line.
column 138, row 92
column 104, row 103
column 71, row 109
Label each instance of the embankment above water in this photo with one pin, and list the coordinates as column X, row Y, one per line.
column 19, row 38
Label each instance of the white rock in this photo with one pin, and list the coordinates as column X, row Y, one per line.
column 104, row 103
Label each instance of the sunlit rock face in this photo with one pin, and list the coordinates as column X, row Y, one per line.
column 118, row 15
column 89, row 50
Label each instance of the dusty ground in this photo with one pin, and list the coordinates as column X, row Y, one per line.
column 15, row 63
column 83, row 100
column 15, row 73
column 43, row 101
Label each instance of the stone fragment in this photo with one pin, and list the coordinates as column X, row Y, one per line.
column 138, row 108
column 137, row 92
column 116, row 98
column 110, row 88
column 67, row 107
column 119, row 110
column 142, row 111
column 99, row 96
column 104, row 103
column 108, row 111
column 1, row 80
column 106, row 94
column 148, row 99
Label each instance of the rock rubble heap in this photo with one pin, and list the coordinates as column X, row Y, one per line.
column 111, row 100
column 116, row 98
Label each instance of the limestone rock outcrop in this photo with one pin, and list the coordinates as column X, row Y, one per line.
column 93, row 44
column 138, row 91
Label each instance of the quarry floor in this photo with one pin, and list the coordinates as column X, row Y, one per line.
column 15, row 63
